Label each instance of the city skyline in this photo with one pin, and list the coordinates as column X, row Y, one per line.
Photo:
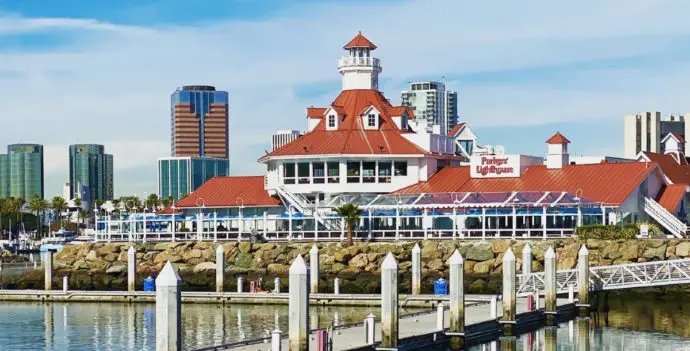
column 518, row 79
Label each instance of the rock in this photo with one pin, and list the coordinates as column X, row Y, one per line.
column 175, row 258
column 116, row 269
column 671, row 252
column 244, row 260
column 188, row 255
column 161, row 257
column 658, row 252
column 80, row 264
column 436, row 264
column 469, row 266
column 537, row 266
column 111, row 257
column 629, row 251
column 359, row 262
column 91, row 256
column 161, row 246
column 483, row 267
column 405, row 266
column 500, row 246
column 566, row 258
column 278, row 269
column 202, row 246
column 337, row 267
column 477, row 287
column 611, row 251
column 108, row 249
column 204, row 267
column 683, row 249
column 374, row 256
column 480, row 252
column 245, row 247
column 430, row 249
column 342, row 256
column 595, row 244
column 655, row 243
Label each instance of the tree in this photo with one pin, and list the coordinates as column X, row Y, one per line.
column 152, row 201
column 38, row 206
column 58, row 204
column 167, row 202
column 350, row 213
column 99, row 204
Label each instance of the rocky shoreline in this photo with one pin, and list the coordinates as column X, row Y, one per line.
column 101, row 266
column 9, row 257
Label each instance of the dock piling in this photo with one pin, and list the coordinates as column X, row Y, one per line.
column 239, row 284
column 550, row 338
column 457, row 294
column 276, row 285
column 298, row 308
column 527, row 259
column 509, row 293
column 416, row 270
column 369, row 329
column 65, row 284
column 48, row 269
column 314, row 269
column 583, row 334
column 571, row 293
column 168, row 310
column 220, row 268
column 336, row 286
column 550, row 286
column 583, row 280
column 131, row 268
column 275, row 340
column 493, row 306
column 389, row 302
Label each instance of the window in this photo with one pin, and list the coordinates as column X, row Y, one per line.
column 400, row 168
column 385, row 172
column 369, row 172
column 353, row 172
column 371, row 120
column 303, row 173
column 333, row 172
column 331, row 121
column 403, row 122
column 288, row 173
column 319, row 172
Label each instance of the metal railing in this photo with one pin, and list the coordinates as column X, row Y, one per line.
column 665, row 218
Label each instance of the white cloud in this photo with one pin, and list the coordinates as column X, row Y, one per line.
column 110, row 83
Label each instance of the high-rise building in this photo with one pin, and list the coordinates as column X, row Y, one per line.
column 179, row 176
column 4, row 175
column 199, row 122
column 645, row 131
column 92, row 168
column 24, row 164
column 432, row 103
column 284, row 137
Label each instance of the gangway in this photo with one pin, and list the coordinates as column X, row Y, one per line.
column 614, row 277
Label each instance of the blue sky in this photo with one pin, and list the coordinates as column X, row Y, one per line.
column 102, row 71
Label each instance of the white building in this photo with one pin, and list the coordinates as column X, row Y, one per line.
column 431, row 102
column 284, row 137
column 643, row 132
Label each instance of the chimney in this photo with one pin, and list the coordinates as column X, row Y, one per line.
column 557, row 151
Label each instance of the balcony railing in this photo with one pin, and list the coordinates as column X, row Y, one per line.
column 358, row 61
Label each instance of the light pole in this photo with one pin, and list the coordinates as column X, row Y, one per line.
column 240, row 203
column 200, row 218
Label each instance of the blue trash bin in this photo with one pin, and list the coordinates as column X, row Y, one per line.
column 149, row 284
column 441, row 287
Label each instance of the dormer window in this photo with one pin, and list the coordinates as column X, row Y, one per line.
column 331, row 121
column 371, row 120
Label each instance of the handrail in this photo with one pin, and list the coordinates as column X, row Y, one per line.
column 665, row 218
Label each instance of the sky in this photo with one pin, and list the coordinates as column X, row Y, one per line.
column 102, row 71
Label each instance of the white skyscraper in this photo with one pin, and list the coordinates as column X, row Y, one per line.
column 433, row 103
column 644, row 131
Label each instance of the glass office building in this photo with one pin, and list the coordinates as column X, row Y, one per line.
column 179, row 176
column 4, row 176
column 23, row 170
column 92, row 168
column 199, row 122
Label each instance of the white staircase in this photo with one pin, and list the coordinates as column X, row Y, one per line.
column 303, row 205
column 666, row 219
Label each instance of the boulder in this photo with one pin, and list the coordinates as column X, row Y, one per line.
column 108, row 249
column 116, row 269
column 91, row 256
column 161, row 246
column 278, row 269
column 204, row 267
column 359, row 262
column 480, row 252
column 430, row 249
column 483, row 267
column 500, row 246
column 111, row 257
column 469, row 266
column 436, row 264
column 245, row 247
column 658, row 252
column 477, row 287
column 337, row 267
column 195, row 253
column 671, row 252
column 202, row 246
column 175, row 258
column 629, row 251
column 342, row 256
column 244, row 260
column 80, row 264
column 566, row 257
column 374, row 256
column 683, row 249
column 611, row 251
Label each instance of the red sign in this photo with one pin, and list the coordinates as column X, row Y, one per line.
column 494, row 165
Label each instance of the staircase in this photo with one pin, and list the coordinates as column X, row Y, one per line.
column 666, row 219
column 303, row 205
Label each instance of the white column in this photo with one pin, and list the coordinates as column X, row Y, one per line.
column 240, row 224
column 550, row 281
column 316, row 223
column 543, row 221
column 289, row 223
column 397, row 223
column 455, row 223
column 336, row 286
column 416, row 270
column 483, row 223
column 509, row 298
column 457, row 293
column 199, row 227
column 579, row 216
column 514, row 221
column 298, row 306
column 107, row 229
column 440, row 315
column 370, row 328
column 265, row 230
column 215, row 226
column 220, row 268
column 168, row 310
column 275, row 340
column 424, row 216
column 369, row 226
column 389, row 302
column 65, row 284
column 571, row 293
column 527, row 259
column 240, row 282
column 493, row 306
column 583, row 277
column 131, row 268
column 144, row 235
column 314, row 269
column 48, row 269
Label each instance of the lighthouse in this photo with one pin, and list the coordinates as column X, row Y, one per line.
column 359, row 70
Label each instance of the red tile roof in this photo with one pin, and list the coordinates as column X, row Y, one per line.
column 456, row 129
column 558, row 138
column 671, row 196
column 676, row 172
column 351, row 137
column 227, row 192
column 609, row 183
column 316, row 112
column 359, row 41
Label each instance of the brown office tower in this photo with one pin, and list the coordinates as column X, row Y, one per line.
column 199, row 121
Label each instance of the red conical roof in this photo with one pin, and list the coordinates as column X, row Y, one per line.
column 359, row 41
column 558, row 138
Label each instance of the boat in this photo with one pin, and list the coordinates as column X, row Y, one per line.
column 57, row 240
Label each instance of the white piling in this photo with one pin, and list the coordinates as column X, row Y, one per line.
column 493, row 306
column 369, row 329
column 509, row 294
column 299, row 306
column 550, row 281
column 416, row 270
column 336, row 286
column 457, row 293
column 168, row 310
column 275, row 340
column 220, row 268
column 65, row 284
column 276, row 285
column 240, row 281
column 314, row 269
column 389, row 302
column 583, row 277
column 35, row 265
column 131, row 268
column 527, row 259
column 48, row 269
column 440, row 315
column 571, row 293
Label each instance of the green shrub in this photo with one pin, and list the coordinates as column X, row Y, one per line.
column 607, row 232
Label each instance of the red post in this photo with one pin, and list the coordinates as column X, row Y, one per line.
column 321, row 340
column 530, row 303
column 252, row 287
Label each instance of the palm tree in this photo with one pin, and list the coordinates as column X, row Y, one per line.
column 152, row 201
column 3, row 210
column 350, row 213
column 99, row 203
column 59, row 204
column 167, row 202
column 36, row 206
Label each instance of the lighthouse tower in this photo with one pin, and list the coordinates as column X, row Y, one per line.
column 359, row 69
